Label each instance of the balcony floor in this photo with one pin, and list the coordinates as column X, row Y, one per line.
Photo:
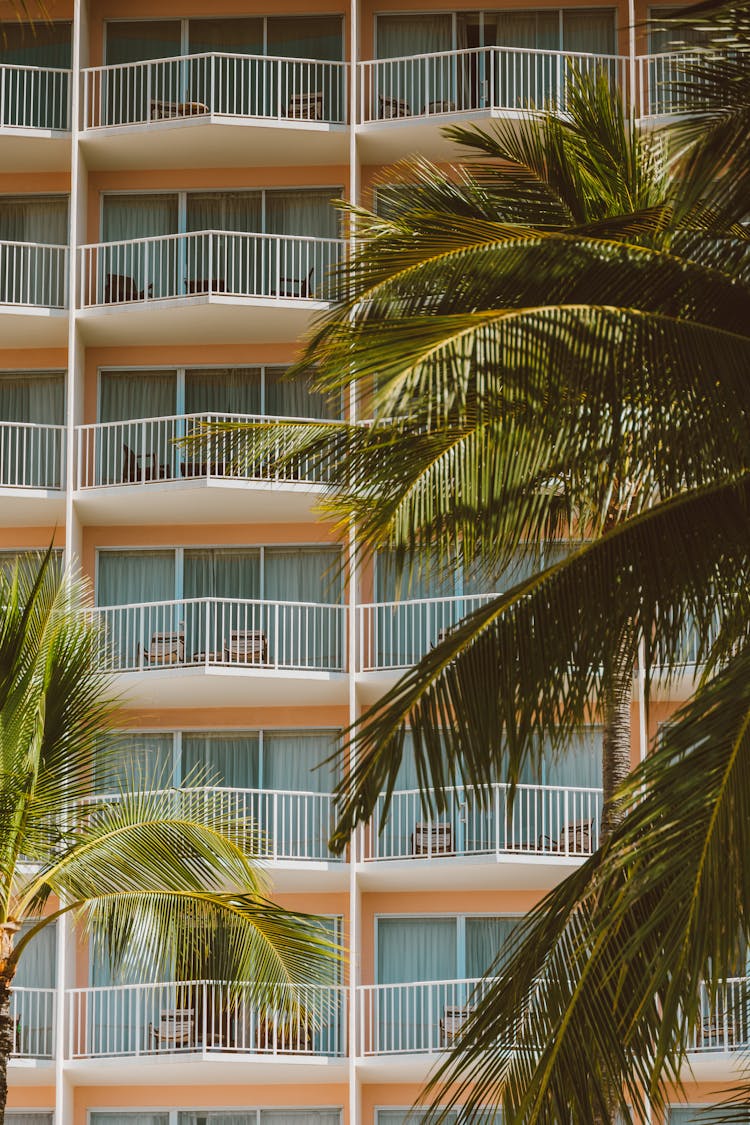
column 34, row 150
column 24, row 325
column 212, row 686
column 198, row 500
column 204, row 319
column 31, row 507
column 215, row 140
column 497, row 871
column 212, row 1069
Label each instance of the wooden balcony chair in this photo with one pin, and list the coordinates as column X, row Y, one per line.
column 247, row 646
column 161, row 110
column 452, row 1023
column 308, row 107
column 296, row 286
column 432, row 839
column 391, row 107
column 578, row 838
column 142, row 466
column 122, row 287
column 175, row 1029
column 165, row 648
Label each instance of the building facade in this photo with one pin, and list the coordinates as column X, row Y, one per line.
column 166, row 228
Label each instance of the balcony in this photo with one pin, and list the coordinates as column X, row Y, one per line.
column 204, row 286
column 32, row 471
column 171, row 1026
column 33, row 294
column 406, row 102
column 482, row 839
column 294, row 829
column 35, row 118
column 33, row 1012
column 135, row 472
column 225, row 652
column 167, row 112
column 664, row 82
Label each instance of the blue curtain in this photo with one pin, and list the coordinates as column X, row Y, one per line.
column 128, row 271
column 220, row 573
column 230, row 760
column 30, row 457
column 415, row 84
column 305, row 574
column 130, row 578
column 413, row 949
column 37, row 102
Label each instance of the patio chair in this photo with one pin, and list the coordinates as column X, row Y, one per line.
column 175, row 1029
column 121, row 287
column 432, row 839
column 247, row 646
column 165, row 648
column 296, row 286
column 391, row 107
column 452, row 1022
column 163, row 109
column 307, row 107
column 576, row 839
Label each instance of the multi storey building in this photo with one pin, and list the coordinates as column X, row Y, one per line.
column 166, row 175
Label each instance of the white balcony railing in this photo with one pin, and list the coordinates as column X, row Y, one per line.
column 32, row 455
column 293, row 825
column 225, row 632
column 33, row 273
column 229, row 263
column 542, row 820
column 479, row 78
column 668, row 83
column 33, row 1012
column 725, row 1020
column 203, row 1016
column 256, row 86
column 397, row 634
column 34, row 97
column 145, row 451
column 424, row 1017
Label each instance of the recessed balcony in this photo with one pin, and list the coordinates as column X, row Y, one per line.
column 136, row 472
column 406, row 102
column 482, row 838
column 204, row 286
column 33, row 294
column 32, row 472
column 157, row 1031
column 34, row 118
column 226, row 652
column 196, row 109
column 664, row 83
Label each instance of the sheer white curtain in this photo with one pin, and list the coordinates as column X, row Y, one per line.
column 37, row 968
column 128, row 1118
column 591, row 31
column 133, row 760
column 236, row 84
column 294, row 760
column 305, row 212
column 217, row 1117
column 220, row 262
column 409, row 950
column 136, row 397
column 18, row 1117
column 231, row 573
column 295, row 398
column 30, row 396
column 485, row 941
column 305, row 574
column 35, row 219
column 31, row 457
column 418, row 83
column 300, row 1117
column 223, row 390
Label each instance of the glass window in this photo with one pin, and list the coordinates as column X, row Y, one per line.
column 230, row 36
column 306, row 37
column 28, row 103
column 137, row 40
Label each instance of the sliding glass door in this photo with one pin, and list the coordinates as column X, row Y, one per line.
column 29, row 456
column 34, row 278
column 132, row 269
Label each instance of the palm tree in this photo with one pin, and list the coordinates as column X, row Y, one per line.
column 558, row 341
column 151, row 885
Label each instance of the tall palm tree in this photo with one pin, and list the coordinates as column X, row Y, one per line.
column 149, row 883
column 559, row 341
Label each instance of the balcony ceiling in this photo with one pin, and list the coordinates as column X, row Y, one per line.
column 35, row 150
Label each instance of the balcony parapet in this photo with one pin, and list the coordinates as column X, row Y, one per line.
column 34, row 97
column 225, row 633
column 32, row 456
column 255, row 87
column 33, row 275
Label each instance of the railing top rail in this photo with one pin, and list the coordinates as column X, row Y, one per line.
column 473, row 981
column 469, row 51
column 30, row 988
column 687, row 52
column 304, row 987
column 214, row 55
column 32, row 425
column 449, row 599
column 36, row 69
column 38, row 245
column 504, row 785
column 154, row 238
column 206, row 416
column 177, row 602
column 191, row 789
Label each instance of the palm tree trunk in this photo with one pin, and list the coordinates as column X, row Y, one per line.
column 8, row 931
column 617, row 737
